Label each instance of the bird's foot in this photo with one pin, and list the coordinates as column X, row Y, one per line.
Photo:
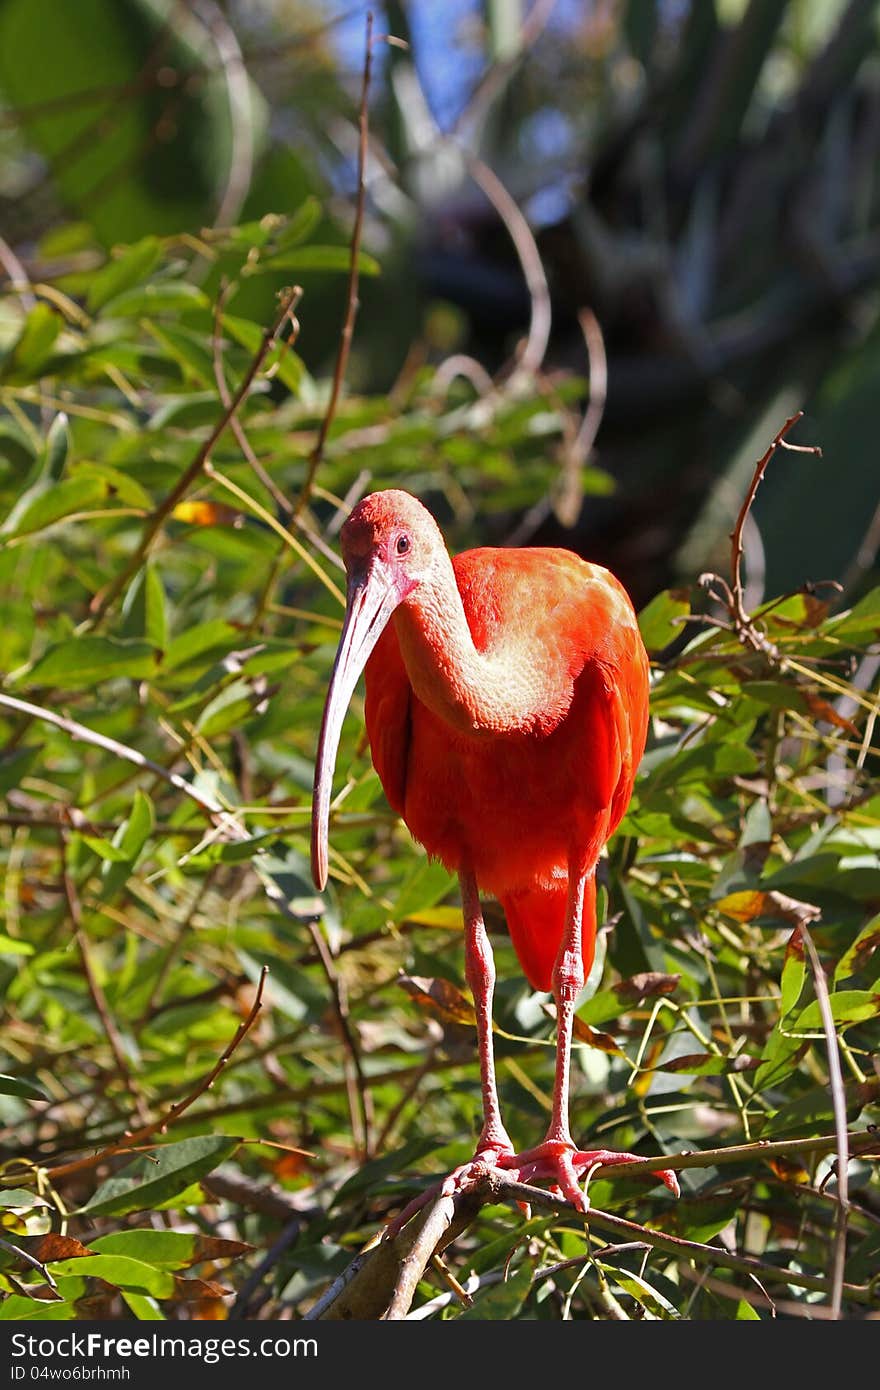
column 554, row 1161
column 462, row 1179
column 563, row 1165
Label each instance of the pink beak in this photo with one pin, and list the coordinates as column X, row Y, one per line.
column 372, row 598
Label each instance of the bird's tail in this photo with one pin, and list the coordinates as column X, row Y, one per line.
column 536, row 921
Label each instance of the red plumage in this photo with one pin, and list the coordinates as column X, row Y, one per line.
column 507, row 710
column 512, row 804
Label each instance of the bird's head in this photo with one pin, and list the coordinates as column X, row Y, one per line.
column 391, row 536
column 390, row 544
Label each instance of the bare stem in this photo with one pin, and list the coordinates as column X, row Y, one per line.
column 838, row 1100
column 743, row 625
column 135, row 1137
column 351, row 308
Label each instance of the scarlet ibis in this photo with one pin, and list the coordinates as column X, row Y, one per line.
column 507, row 710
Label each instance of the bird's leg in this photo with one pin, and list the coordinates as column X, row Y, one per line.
column 554, row 1156
column 493, row 1145
column 557, row 1157
column 480, row 975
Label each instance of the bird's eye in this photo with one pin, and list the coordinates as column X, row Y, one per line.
column 403, row 544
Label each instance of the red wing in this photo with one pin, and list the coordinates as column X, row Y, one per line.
column 387, row 712
column 628, row 693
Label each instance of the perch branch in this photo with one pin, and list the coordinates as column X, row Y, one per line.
column 381, row 1281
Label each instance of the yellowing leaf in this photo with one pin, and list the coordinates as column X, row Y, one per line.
column 198, row 513
column 745, row 906
column 440, row 997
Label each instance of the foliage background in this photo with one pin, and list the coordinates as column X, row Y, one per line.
column 703, row 177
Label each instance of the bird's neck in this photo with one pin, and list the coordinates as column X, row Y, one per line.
column 475, row 692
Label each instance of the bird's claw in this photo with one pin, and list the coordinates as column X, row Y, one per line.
column 556, row 1162
column 462, row 1179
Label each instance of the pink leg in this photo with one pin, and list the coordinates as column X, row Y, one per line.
column 494, row 1143
column 480, row 973
column 556, row 1158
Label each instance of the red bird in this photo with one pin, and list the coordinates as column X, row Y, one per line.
column 507, row 710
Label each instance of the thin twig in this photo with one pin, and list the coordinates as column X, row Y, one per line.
column 356, row 1087
column 352, row 304
column 838, row 1100
column 234, row 1187
column 222, row 818
column 743, row 625
column 241, row 1308
column 138, row 1136
column 241, row 112
column 861, row 1144
column 577, row 445
column 99, row 999
column 18, row 277
column 495, row 77
column 226, row 400
column 532, row 352
column 102, row 603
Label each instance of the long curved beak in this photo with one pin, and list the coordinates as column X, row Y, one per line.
column 372, row 598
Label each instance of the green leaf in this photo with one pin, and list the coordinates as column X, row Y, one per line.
column 657, row 619
column 372, row 1175
column 121, row 1271
column 83, row 661
column 110, row 853
column 15, row 1086
column 133, row 265
column 847, row 1006
column 501, row 1302
column 794, row 972
column 168, row 1249
column 35, row 343
column 19, row 1199
column 20, row 1308
column 856, row 956
column 133, row 835
column 317, row 258
column 14, row 946
column 16, row 764
column 143, row 609
column 147, row 1182
column 746, row 1313
column 288, row 367
column 861, row 621
column 48, row 470
column 200, row 643
column 53, row 504
column 422, row 888
column 160, row 297
column 129, row 840
column 300, row 226
column 145, row 1309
